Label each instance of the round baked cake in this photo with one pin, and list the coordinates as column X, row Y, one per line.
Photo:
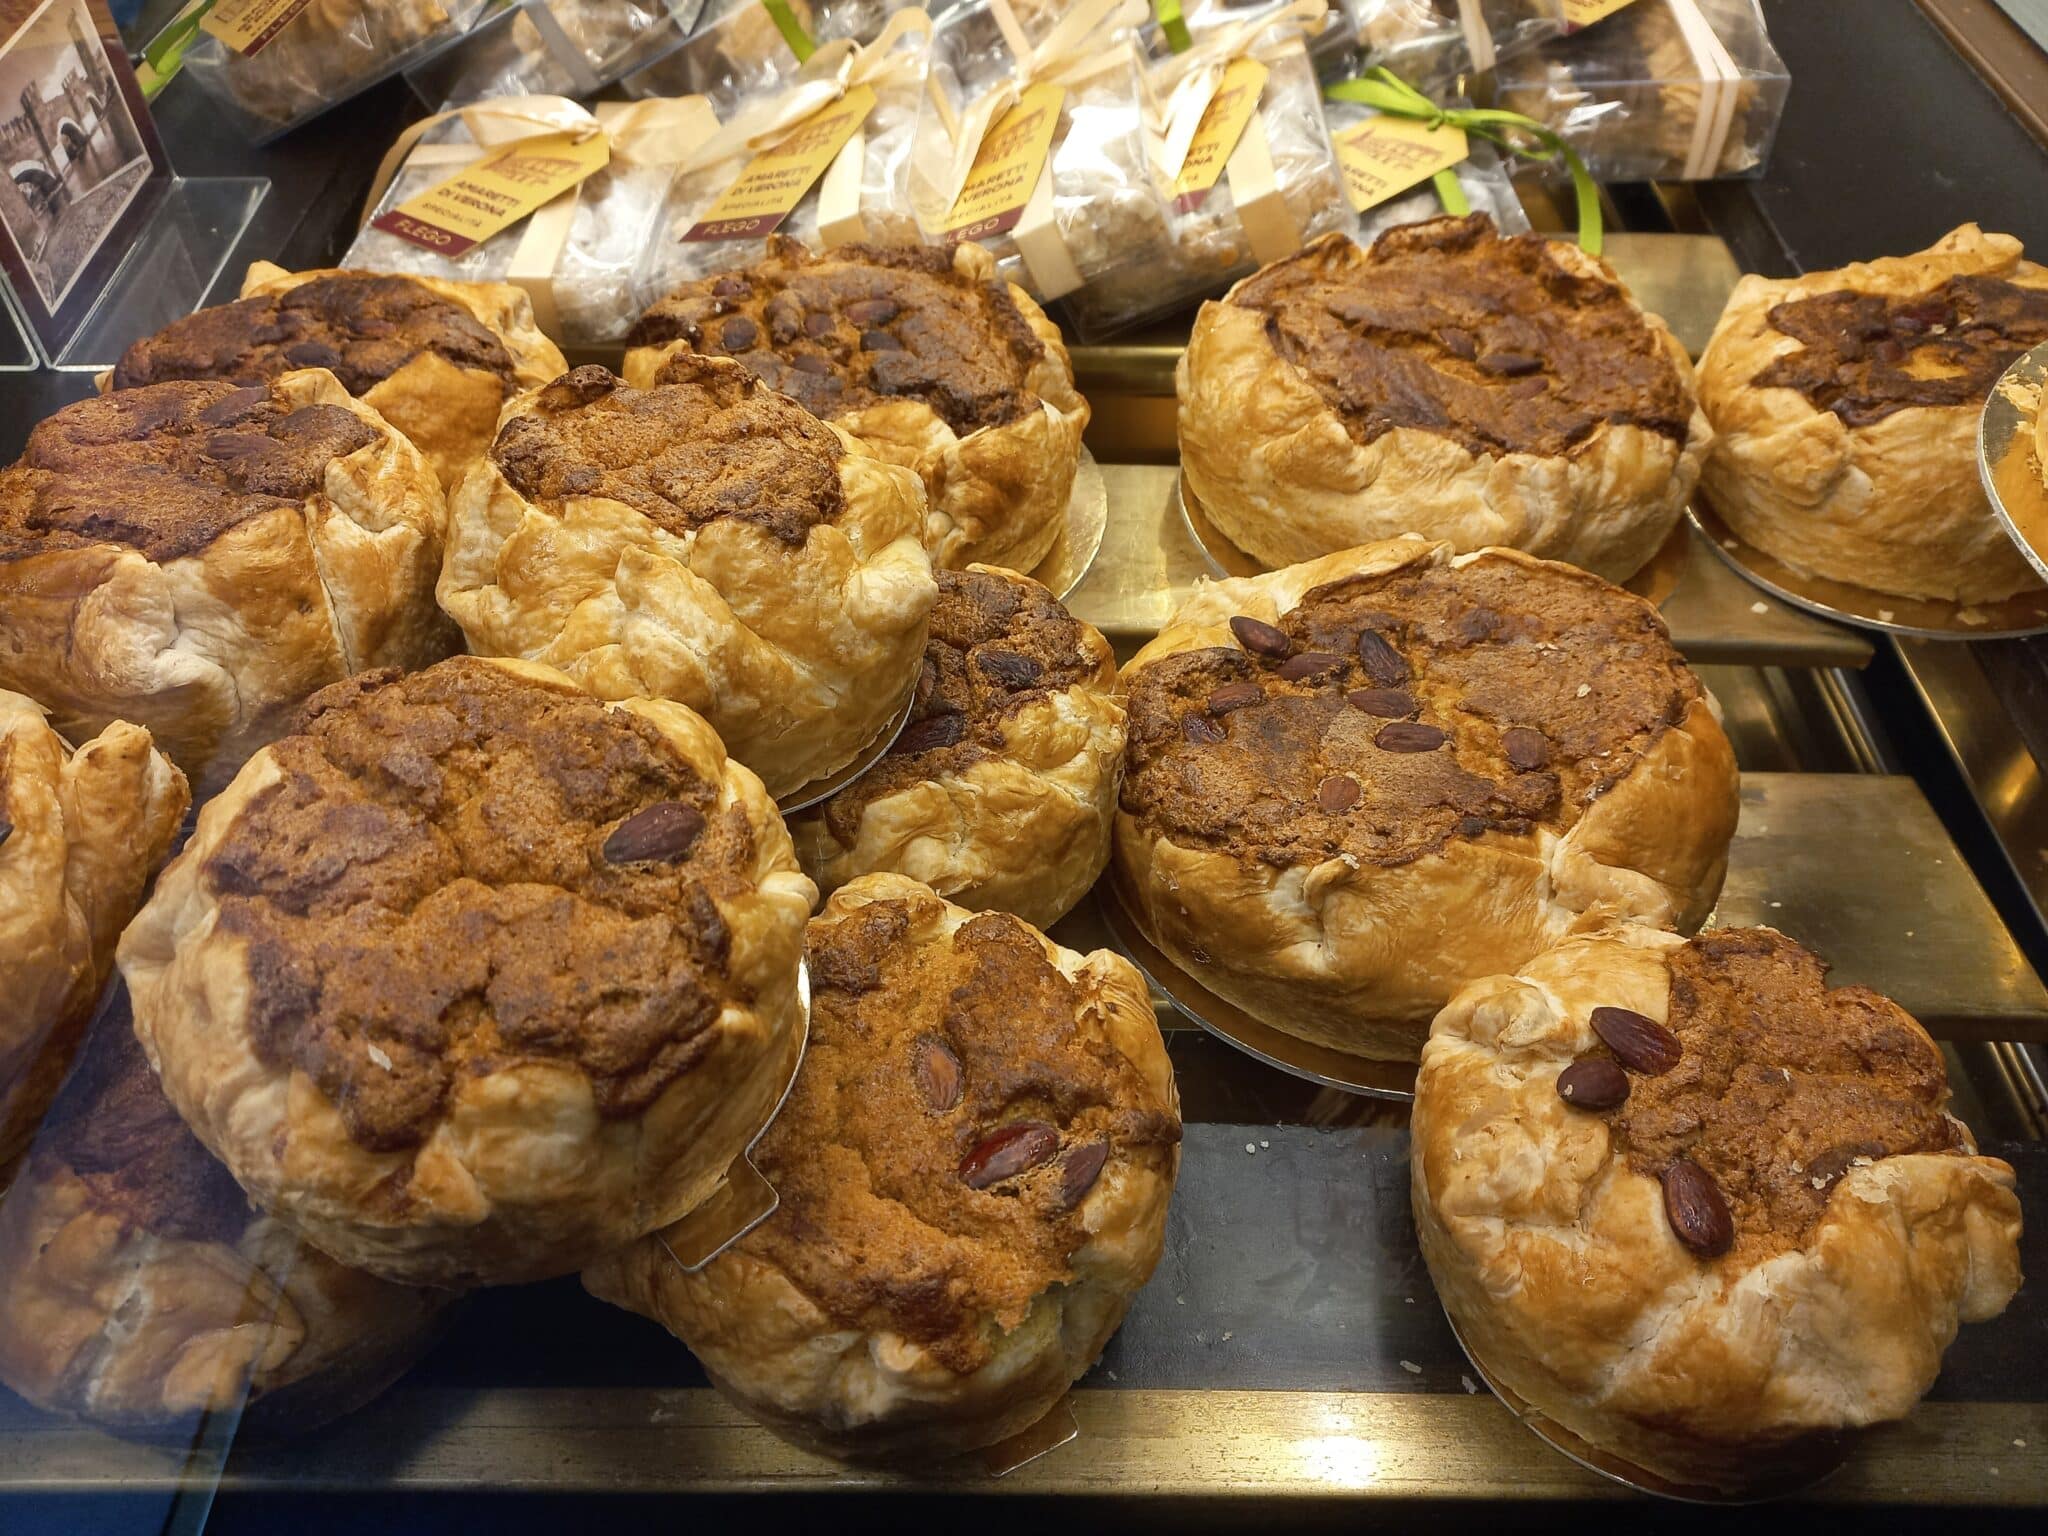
column 1696, row 1206
column 474, row 977
column 705, row 540
column 1845, row 406
column 998, row 793
column 974, row 1167
column 138, row 1288
column 1449, row 382
column 198, row 559
column 81, row 835
column 921, row 353
column 1354, row 785
column 437, row 359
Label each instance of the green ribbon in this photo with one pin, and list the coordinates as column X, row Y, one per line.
column 1385, row 91
column 792, row 30
column 1173, row 24
column 165, row 53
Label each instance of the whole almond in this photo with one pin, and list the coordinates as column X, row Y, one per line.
column 1338, row 793
column 1409, row 736
column 1383, row 664
column 1592, row 1083
column 1698, row 1214
column 1309, row 664
column 1234, row 696
column 938, row 1074
column 1079, row 1170
column 1525, row 749
column 1381, row 703
column 1836, row 1161
column 1259, row 637
column 1016, row 1148
column 1203, row 731
column 1640, row 1044
column 930, row 733
column 663, row 833
column 1009, row 668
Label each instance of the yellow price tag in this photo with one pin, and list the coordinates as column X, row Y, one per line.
column 1583, row 13
column 1385, row 156
column 247, row 26
column 498, row 191
column 1007, row 166
column 1223, row 124
column 776, row 180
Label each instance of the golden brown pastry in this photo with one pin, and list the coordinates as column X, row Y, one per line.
column 1845, row 407
column 705, row 540
column 81, row 834
column 1449, row 382
column 1697, row 1207
column 435, row 358
column 999, row 791
column 924, row 356
column 973, row 1167
column 199, row 559
column 1355, row 785
column 474, row 977
column 138, row 1287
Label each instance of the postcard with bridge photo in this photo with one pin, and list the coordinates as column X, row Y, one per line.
column 81, row 156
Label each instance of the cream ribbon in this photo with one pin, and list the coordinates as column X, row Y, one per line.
column 1478, row 35
column 1189, row 80
column 1720, row 90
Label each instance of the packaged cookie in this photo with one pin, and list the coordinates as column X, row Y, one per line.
column 1031, row 140
column 555, row 48
column 578, row 256
column 1483, row 179
column 1668, row 90
column 318, row 56
column 1245, row 184
column 1437, row 41
column 861, row 97
column 741, row 49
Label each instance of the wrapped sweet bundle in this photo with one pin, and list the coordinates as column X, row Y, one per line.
column 1031, row 140
column 1242, row 155
column 837, row 134
column 319, row 56
column 1436, row 41
column 578, row 257
column 1665, row 90
column 742, row 48
column 1483, row 177
column 555, row 48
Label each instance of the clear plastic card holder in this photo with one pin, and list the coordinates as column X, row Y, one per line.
column 17, row 352
column 1662, row 90
column 170, row 268
column 554, row 48
column 329, row 52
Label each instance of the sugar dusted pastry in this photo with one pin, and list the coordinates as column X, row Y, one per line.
column 1447, row 382
column 139, row 1288
column 435, row 358
column 1355, row 785
column 999, row 791
column 1845, row 407
column 1696, row 1206
column 705, row 540
column 81, row 834
column 474, row 977
column 198, row 559
column 973, row 1168
column 925, row 357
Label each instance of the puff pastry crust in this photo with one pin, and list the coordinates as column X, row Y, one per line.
column 138, row 1288
column 81, row 835
column 1862, row 1228
column 925, row 357
column 999, row 792
column 199, row 559
column 1450, row 383
column 1354, row 785
column 405, row 1051
column 707, row 541
column 951, row 1251
column 1850, row 452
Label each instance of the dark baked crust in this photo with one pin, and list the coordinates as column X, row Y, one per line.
column 861, row 324
column 1544, row 684
column 708, row 443
column 996, row 644
column 361, row 327
column 462, row 869
column 1865, row 356
column 1447, row 327
column 947, row 1121
column 168, row 468
column 112, row 1127
column 1782, row 1083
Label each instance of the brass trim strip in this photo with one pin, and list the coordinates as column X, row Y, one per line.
column 1999, row 50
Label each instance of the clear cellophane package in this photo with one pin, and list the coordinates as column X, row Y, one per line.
column 555, row 48
column 875, row 208
column 1435, row 43
column 1209, row 244
column 325, row 54
column 737, row 51
column 1483, row 175
column 591, row 297
column 1107, row 211
column 1666, row 90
